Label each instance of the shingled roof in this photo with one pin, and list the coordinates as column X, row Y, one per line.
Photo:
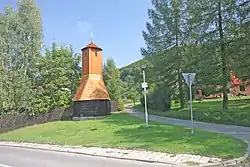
column 91, row 45
column 92, row 87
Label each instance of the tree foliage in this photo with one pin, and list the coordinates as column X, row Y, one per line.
column 21, row 43
column 165, row 37
column 210, row 38
column 31, row 82
column 111, row 76
column 60, row 74
column 216, row 26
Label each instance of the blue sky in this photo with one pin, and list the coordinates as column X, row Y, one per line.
column 116, row 25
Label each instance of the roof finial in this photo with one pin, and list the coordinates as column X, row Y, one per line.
column 91, row 36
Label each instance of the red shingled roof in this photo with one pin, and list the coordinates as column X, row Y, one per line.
column 235, row 80
column 92, row 45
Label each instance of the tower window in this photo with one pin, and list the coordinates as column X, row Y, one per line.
column 95, row 53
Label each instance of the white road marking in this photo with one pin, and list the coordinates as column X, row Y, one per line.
column 2, row 165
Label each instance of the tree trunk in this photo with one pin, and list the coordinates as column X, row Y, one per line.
column 224, row 60
column 181, row 96
column 179, row 56
column 180, row 83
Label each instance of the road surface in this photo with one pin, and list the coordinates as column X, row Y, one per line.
column 20, row 157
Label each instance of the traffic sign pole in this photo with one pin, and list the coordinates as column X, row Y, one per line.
column 189, row 77
column 191, row 105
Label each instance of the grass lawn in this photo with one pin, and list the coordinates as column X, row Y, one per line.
column 210, row 111
column 123, row 131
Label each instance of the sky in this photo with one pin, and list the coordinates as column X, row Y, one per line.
column 116, row 25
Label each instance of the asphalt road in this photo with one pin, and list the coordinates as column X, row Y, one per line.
column 20, row 157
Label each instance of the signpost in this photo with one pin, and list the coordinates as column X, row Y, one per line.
column 144, row 86
column 189, row 78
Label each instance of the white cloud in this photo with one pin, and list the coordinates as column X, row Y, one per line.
column 84, row 28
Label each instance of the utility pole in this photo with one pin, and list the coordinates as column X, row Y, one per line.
column 144, row 86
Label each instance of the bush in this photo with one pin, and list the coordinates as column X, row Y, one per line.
column 158, row 98
column 120, row 105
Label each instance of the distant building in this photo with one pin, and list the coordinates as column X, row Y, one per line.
column 236, row 87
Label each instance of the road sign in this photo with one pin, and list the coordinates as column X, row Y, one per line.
column 189, row 78
column 144, row 85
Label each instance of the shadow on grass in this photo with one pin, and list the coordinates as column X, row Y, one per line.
column 174, row 139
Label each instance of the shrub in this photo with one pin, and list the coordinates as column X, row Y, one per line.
column 158, row 98
column 120, row 105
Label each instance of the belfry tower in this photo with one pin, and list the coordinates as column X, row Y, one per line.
column 91, row 97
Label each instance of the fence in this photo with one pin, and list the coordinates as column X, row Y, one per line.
column 10, row 122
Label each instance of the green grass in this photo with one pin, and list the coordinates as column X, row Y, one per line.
column 210, row 111
column 123, row 131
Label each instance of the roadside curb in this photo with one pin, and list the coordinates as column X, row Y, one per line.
column 66, row 150
column 73, row 149
column 228, row 163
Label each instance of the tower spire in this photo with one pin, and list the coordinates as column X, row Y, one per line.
column 91, row 36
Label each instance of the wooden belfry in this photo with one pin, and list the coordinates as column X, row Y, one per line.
column 91, row 97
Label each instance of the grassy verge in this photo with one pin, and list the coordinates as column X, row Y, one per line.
column 210, row 111
column 123, row 131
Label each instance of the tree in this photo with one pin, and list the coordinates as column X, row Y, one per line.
column 239, row 47
column 215, row 26
column 2, row 63
column 210, row 38
column 21, row 43
column 130, row 90
column 31, row 82
column 133, row 95
column 60, row 74
column 30, row 32
column 111, row 76
column 165, row 38
column 2, row 27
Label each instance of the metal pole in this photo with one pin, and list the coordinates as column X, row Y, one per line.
column 191, row 107
column 145, row 99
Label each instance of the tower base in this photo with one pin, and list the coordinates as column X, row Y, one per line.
column 91, row 108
